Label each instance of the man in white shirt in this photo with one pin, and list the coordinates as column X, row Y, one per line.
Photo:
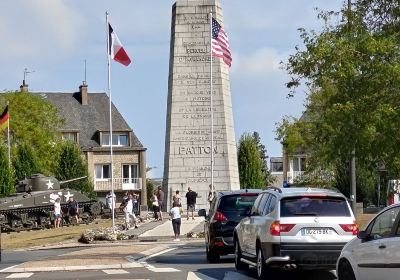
column 110, row 200
column 128, row 210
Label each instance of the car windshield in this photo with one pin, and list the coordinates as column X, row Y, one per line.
column 240, row 203
column 324, row 206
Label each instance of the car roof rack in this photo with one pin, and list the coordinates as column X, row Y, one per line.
column 274, row 189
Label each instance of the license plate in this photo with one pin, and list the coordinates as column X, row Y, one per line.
column 317, row 231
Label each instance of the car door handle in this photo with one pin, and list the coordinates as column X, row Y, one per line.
column 382, row 246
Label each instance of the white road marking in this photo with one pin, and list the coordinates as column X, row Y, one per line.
column 163, row 269
column 20, row 275
column 156, row 254
column 142, row 261
column 232, row 275
column 198, row 276
column 7, row 268
column 115, row 271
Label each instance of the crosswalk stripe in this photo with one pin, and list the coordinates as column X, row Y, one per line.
column 20, row 275
column 115, row 271
column 163, row 269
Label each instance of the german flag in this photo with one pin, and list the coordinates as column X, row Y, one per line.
column 4, row 119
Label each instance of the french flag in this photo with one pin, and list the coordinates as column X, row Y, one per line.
column 116, row 51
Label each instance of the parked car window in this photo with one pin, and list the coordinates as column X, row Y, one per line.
column 383, row 224
column 237, row 202
column 271, row 205
column 322, row 206
column 256, row 203
column 264, row 208
column 261, row 206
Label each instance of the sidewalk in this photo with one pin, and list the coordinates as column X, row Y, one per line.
column 114, row 255
column 157, row 230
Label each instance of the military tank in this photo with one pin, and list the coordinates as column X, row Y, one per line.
column 32, row 206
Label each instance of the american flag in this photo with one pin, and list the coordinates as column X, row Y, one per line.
column 220, row 43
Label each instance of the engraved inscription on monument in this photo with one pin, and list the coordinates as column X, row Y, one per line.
column 188, row 137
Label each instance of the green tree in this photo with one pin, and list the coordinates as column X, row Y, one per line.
column 70, row 165
column 150, row 190
column 250, row 163
column 7, row 178
column 35, row 122
column 25, row 162
column 351, row 71
column 268, row 178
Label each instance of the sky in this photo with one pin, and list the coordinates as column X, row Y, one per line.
column 53, row 38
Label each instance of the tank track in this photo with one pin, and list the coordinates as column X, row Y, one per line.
column 41, row 217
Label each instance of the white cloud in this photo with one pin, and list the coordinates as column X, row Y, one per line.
column 260, row 64
column 35, row 30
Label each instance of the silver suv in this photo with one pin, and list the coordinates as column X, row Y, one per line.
column 292, row 228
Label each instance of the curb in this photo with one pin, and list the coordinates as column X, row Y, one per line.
column 71, row 268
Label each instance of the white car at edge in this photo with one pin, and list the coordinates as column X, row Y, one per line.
column 375, row 253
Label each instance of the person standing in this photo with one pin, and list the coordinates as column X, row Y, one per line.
column 128, row 211
column 110, row 201
column 211, row 194
column 57, row 213
column 160, row 198
column 73, row 210
column 176, row 220
column 191, row 202
column 154, row 202
column 177, row 199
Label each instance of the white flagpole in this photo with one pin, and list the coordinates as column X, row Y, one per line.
column 111, row 131
column 8, row 135
column 211, row 107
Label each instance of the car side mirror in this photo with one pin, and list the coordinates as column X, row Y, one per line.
column 202, row 213
column 363, row 235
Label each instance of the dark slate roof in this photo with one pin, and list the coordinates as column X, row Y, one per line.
column 89, row 119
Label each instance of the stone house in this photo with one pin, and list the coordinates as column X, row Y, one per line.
column 86, row 117
column 287, row 168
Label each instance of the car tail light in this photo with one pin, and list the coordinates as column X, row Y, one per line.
column 353, row 228
column 276, row 228
column 219, row 217
column 219, row 244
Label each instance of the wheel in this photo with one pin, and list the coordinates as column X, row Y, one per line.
column 212, row 257
column 345, row 271
column 262, row 269
column 239, row 265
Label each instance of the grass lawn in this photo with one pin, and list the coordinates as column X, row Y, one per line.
column 25, row 239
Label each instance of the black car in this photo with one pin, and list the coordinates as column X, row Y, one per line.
column 226, row 211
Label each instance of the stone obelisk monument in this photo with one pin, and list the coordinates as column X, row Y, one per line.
column 188, row 154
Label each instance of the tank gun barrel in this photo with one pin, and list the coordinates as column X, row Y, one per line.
column 72, row 180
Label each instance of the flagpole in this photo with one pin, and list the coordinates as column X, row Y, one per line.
column 111, row 131
column 211, row 107
column 8, row 135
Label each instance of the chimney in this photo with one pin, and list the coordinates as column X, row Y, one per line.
column 84, row 93
column 23, row 87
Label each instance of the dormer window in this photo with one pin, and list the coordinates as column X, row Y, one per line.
column 277, row 166
column 119, row 139
column 70, row 136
